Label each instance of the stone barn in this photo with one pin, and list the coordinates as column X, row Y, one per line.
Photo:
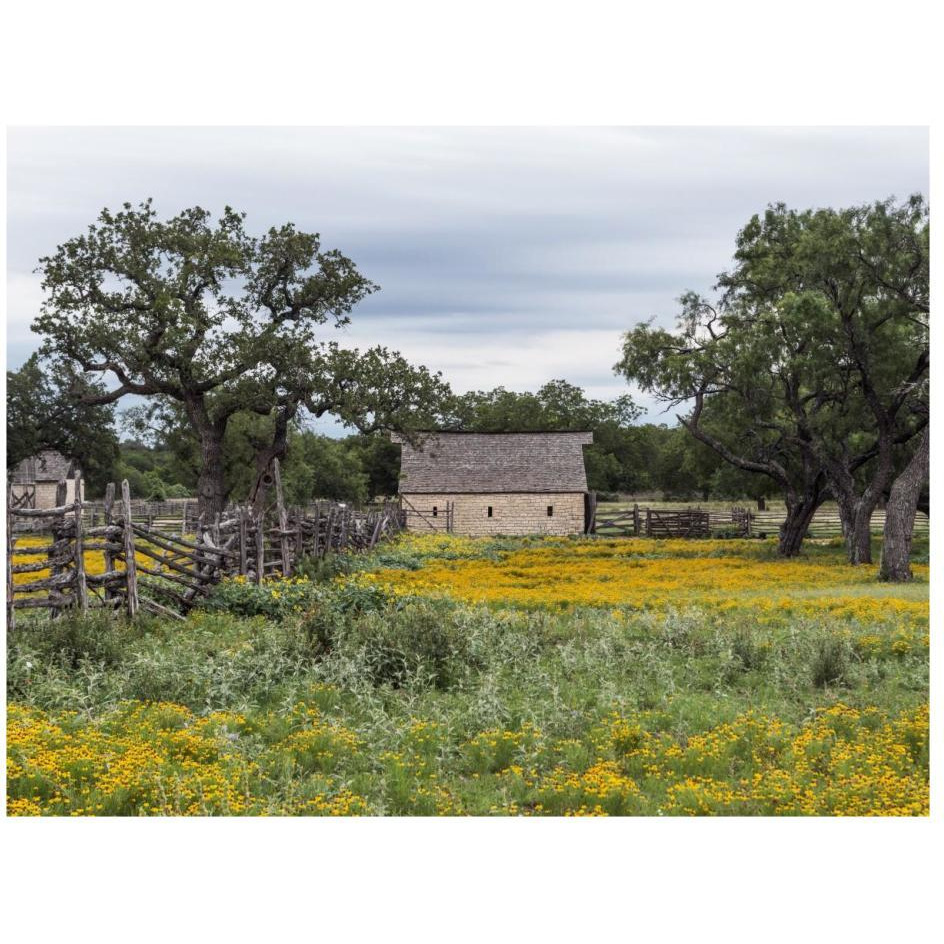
column 495, row 483
column 35, row 479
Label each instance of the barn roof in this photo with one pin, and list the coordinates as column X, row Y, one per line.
column 494, row 462
column 46, row 466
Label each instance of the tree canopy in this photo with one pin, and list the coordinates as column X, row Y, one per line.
column 811, row 367
column 45, row 411
column 204, row 319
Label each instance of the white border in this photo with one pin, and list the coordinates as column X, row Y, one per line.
column 495, row 63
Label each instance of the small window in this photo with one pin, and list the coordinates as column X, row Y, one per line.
column 490, row 511
column 550, row 511
column 435, row 511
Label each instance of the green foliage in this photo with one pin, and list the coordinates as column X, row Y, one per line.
column 318, row 467
column 418, row 644
column 273, row 599
column 813, row 364
column 208, row 323
column 830, row 661
column 45, row 410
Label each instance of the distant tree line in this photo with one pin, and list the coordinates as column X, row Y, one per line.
column 161, row 457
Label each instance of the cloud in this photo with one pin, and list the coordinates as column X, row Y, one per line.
column 506, row 256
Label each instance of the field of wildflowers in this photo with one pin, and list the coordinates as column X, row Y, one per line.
column 448, row 676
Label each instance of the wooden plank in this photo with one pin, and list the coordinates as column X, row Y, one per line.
column 56, row 512
column 243, row 542
column 41, row 565
column 81, row 588
column 283, row 518
column 131, row 575
column 160, row 558
column 11, row 612
column 61, row 602
column 103, row 579
column 260, row 547
column 192, row 584
column 160, row 610
column 55, row 582
column 35, row 551
column 148, row 584
column 171, row 542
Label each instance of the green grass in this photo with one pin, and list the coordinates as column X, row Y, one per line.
column 425, row 707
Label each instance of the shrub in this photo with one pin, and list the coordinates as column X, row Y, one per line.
column 274, row 599
column 325, row 622
column 326, row 568
column 73, row 638
column 418, row 643
column 830, row 661
column 748, row 649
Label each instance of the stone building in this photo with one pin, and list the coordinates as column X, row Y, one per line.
column 495, row 483
column 35, row 479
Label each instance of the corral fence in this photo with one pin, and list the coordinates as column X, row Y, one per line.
column 168, row 570
column 433, row 518
column 736, row 522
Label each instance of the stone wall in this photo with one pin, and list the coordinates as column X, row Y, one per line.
column 512, row 513
column 46, row 493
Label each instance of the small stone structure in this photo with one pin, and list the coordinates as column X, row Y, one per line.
column 495, row 483
column 35, row 479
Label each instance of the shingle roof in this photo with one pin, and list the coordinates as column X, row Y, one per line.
column 494, row 462
column 46, row 466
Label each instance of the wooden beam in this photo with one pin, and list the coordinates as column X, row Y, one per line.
column 131, row 576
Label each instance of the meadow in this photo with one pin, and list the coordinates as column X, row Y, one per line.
column 443, row 675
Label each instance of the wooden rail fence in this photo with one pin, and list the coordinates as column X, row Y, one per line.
column 694, row 522
column 167, row 571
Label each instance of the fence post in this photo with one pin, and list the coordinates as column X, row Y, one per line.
column 59, row 537
column 107, row 514
column 81, row 588
column 131, row 571
column 243, row 542
column 260, row 549
column 283, row 519
column 11, row 611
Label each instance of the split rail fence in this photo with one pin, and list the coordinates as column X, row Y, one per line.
column 168, row 571
column 694, row 522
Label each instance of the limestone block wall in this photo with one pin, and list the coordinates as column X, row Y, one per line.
column 512, row 513
column 46, row 493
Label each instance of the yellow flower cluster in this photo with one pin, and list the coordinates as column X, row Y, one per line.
column 649, row 574
column 846, row 762
column 161, row 759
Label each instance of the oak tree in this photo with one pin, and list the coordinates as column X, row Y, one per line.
column 201, row 317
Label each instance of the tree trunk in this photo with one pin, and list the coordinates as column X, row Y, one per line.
column 211, row 487
column 793, row 530
column 855, row 507
column 900, row 514
column 859, row 538
column 277, row 449
column 845, row 502
column 211, row 491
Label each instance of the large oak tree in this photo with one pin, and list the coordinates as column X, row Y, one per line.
column 811, row 367
column 201, row 317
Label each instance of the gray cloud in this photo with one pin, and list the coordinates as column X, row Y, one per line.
column 506, row 255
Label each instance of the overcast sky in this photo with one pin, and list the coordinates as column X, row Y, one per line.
column 506, row 256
